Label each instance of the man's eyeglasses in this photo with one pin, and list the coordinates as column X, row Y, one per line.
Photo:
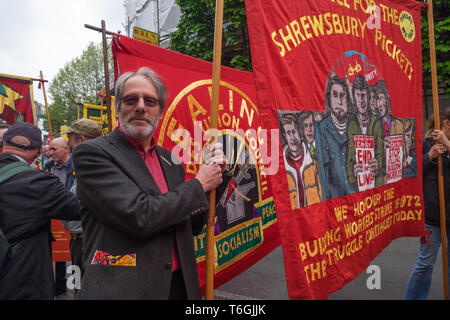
column 132, row 100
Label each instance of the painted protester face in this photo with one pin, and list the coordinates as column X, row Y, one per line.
column 338, row 102
column 361, row 101
column 293, row 139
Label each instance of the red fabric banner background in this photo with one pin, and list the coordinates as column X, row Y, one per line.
column 61, row 245
column 246, row 225
column 330, row 234
column 16, row 99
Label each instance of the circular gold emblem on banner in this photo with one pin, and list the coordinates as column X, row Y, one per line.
column 407, row 28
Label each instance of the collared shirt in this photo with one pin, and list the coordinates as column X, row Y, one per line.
column 20, row 158
column 151, row 161
column 60, row 170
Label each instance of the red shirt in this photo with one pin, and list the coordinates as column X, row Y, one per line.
column 151, row 161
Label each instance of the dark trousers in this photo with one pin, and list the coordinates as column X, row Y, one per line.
column 177, row 287
column 76, row 251
column 60, row 277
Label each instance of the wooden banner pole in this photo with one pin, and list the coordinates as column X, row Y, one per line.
column 437, row 126
column 210, row 241
column 102, row 95
column 105, row 60
column 98, row 29
column 46, row 105
column 78, row 103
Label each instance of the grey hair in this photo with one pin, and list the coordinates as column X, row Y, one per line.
column 151, row 75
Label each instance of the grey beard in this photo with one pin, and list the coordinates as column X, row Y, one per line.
column 138, row 134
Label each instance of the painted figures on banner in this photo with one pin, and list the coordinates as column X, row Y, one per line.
column 356, row 144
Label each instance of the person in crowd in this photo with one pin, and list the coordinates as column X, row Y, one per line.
column 436, row 144
column 364, row 123
column 30, row 199
column 138, row 212
column 79, row 131
column 45, row 158
column 62, row 168
column 332, row 139
column 3, row 127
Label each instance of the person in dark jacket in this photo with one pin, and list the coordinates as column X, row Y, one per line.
column 138, row 213
column 436, row 144
column 79, row 131
column 62, row 168
column 28, row 201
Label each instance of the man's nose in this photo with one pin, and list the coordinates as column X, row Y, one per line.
column 140, row 105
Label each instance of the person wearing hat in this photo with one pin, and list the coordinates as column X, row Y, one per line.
column 28, row 202
column 79, row 131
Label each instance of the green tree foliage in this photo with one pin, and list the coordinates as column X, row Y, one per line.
column 195, row 34
column 441, row 9
column 81, row 78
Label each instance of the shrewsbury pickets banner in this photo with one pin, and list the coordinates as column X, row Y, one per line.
column 342, row 81
column 16, row 99
column 246, row 228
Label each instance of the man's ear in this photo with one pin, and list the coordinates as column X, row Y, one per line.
column 83, row 138
column 446, row 123
column 37, row 155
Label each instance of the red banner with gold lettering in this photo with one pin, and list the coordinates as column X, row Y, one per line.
column 342, row 81
column 61, row 245
column 246, row 225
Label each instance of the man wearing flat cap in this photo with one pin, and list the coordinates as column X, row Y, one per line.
column 79, row 131
column 29, row 200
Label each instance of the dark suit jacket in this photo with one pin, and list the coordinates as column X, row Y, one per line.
column 430, row 186
column 28, row 202
column 123, row 212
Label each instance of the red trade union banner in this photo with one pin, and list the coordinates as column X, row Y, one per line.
column 342, row 81
column 246, row 225
column 61, row 245
column 16, row 99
